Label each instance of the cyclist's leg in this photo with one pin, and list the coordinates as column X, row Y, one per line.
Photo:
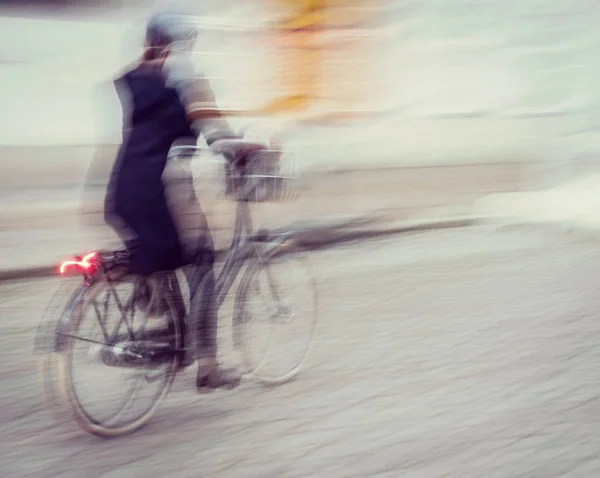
column 157, row 240
column 204, row 321
column 197, row 242
column 203, row 313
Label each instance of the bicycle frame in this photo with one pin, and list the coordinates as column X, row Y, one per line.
column 243, row 245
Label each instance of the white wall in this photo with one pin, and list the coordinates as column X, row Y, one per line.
column 469, row 78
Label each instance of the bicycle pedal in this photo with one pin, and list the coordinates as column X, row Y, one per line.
column 125, row 356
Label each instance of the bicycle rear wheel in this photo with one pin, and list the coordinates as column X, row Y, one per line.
column 276, row 315
column 45, row 343
column 107, row 346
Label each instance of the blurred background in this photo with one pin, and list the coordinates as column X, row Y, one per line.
column 462, row 80
column 506, row 85
column 478, row 344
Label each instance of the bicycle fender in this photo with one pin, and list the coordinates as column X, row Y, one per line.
column 65, row 323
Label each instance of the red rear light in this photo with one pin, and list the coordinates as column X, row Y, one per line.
column 85, row 265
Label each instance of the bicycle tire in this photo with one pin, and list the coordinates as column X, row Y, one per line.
column 241, row 322
column 45, row 346
column 78, row 412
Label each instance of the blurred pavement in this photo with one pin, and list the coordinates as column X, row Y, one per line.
column 41, row 226
column 573, row 205
column 453, row 354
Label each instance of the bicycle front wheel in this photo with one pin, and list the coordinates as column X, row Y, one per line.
column 276, row 315
column 110, row 387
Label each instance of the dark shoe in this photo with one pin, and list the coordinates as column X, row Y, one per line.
column 212, row 377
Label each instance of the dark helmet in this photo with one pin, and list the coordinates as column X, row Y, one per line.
column 166, row 28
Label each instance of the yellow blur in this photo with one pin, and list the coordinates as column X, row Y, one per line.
column 325, row 62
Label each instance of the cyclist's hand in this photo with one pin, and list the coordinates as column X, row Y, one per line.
column 238, row 151
column 227, row 147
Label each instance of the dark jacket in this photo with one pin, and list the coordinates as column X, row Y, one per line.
column 136, row 206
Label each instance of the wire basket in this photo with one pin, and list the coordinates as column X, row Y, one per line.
column 267, row 176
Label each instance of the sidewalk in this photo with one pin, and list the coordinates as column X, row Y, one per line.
column 353, row 189
column 331, row 208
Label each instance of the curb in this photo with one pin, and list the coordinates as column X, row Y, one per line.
column 308, row 238
column 314, row 240
column 565, row 228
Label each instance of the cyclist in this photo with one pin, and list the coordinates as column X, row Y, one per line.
column 163, row 101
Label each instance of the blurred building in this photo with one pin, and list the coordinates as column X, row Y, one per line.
column 468, row 79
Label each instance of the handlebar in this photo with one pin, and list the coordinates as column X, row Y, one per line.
column 261, row 176
column 231, row 148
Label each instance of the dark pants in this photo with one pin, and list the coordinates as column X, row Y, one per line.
column 203, row 315
column 165, row 242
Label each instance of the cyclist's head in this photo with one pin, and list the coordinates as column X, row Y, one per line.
column 167, row 31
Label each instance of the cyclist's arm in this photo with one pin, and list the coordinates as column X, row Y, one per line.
column 198, row 98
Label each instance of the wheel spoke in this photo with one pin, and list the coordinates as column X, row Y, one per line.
column 273, row 306
column 119, row 389
column 123, row 309
column 101, row 321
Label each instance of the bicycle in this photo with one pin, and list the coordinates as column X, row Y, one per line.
column 157, row 347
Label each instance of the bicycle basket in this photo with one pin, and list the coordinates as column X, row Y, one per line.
column 268, row 175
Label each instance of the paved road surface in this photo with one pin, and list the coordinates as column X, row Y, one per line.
column 458, row 354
